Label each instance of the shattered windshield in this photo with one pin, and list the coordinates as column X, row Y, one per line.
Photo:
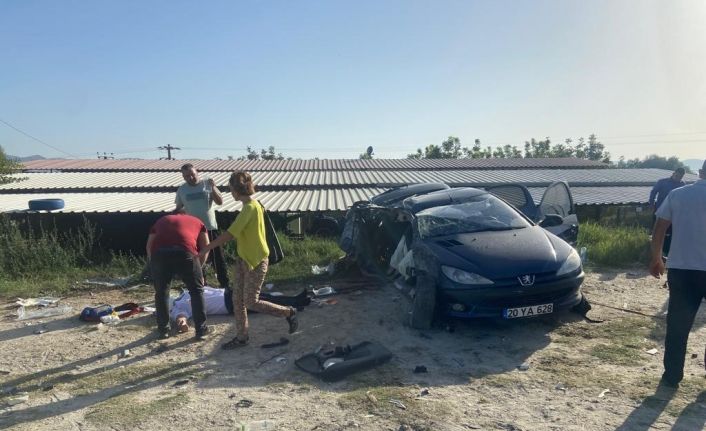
column 478, row 214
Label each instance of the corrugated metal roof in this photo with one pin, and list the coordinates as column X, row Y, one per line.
column 283, row 201
column 169, row 181
column 308, row 165
column 602, row 195
column 280, row 201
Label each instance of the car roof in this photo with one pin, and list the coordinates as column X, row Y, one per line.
column 442, row 197
column 394, row 196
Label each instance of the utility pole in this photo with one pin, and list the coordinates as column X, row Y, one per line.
column 169, row 149
column 105, row 155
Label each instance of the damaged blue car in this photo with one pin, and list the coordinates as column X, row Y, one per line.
column 470, row 253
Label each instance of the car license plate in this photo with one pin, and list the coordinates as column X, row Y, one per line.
column 533, row 310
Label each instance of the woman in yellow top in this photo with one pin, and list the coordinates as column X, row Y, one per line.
column 251, row 263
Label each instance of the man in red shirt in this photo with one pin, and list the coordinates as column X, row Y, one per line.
column 173, row 248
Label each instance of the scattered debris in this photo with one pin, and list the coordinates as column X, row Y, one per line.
column 424, row 392
column 398, row 403
column 523, row 366
column 652, row 351
column 281, row 360
column 48, row 388
column 603, row 392
column 373, row 399
column 694, row 355
column 5, row 372
column 110, row 319
column 420, row 369
column 20, row 398
column 329, row 269
column 115, row 282
column 244, row 403
column 276, row 355
column 269, row 286
column 283, row 341
column 262, row 425
column 324, row 291
column 560, row 387
column 404, row 427
column 23, row 314
column 125, row 354
column 181, row 382
column 40, row 302
column 40, row 331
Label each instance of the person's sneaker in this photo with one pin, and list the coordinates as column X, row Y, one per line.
column 203, row 335
column 163, row 334
column 292, row 320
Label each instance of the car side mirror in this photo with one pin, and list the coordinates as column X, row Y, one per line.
column 551, row 220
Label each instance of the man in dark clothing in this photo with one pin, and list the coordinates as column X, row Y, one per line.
column 685, row 209
column 660, row 192
column 662, row 188
column 173, row 248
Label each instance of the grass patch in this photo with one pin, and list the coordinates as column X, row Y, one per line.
column 614, row 246
column 127, row 411
column 300, row 255
column 132, row 374
column 621, row 341
column 617, row 355
column 46, row 260
column 420, row 415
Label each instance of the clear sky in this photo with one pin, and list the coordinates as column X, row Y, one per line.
column 329, row 78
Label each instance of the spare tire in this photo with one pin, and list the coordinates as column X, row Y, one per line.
column 46, row 204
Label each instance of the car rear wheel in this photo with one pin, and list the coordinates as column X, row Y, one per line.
column 423, row 307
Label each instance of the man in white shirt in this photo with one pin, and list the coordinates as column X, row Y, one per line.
column 684, row 209
column 197, row 197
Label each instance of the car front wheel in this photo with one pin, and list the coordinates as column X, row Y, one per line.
column 421, row 315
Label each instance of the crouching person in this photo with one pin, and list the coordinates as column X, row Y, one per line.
column 173, row 248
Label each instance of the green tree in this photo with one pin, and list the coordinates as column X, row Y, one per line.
column 653, row 161
column 7, row 167
column 263, row 154
column 449, row 149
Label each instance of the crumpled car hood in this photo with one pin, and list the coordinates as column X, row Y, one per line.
column 502, row 254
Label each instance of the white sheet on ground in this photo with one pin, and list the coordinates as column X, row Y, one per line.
column 213, row 298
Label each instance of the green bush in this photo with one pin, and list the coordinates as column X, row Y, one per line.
column 29, row 251
column 299, row 256
column 614, row 246
column 46, row 259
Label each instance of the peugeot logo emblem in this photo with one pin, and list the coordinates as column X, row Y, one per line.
column 526, row 280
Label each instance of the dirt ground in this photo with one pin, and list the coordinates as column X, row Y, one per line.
column 577, row 375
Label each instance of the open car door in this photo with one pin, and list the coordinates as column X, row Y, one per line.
column 556, row 212
column 518, row 196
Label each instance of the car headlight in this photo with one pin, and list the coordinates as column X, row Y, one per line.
column 463, row 277
column 571, row 264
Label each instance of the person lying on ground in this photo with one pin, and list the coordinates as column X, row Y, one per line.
column 217, row 303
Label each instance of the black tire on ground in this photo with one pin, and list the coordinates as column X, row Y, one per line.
column 423, row 306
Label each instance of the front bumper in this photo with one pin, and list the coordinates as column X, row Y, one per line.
column 490, row 302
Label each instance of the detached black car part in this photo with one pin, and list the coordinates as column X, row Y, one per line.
column 470, row 253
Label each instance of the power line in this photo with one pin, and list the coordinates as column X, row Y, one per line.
column 36, row 139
